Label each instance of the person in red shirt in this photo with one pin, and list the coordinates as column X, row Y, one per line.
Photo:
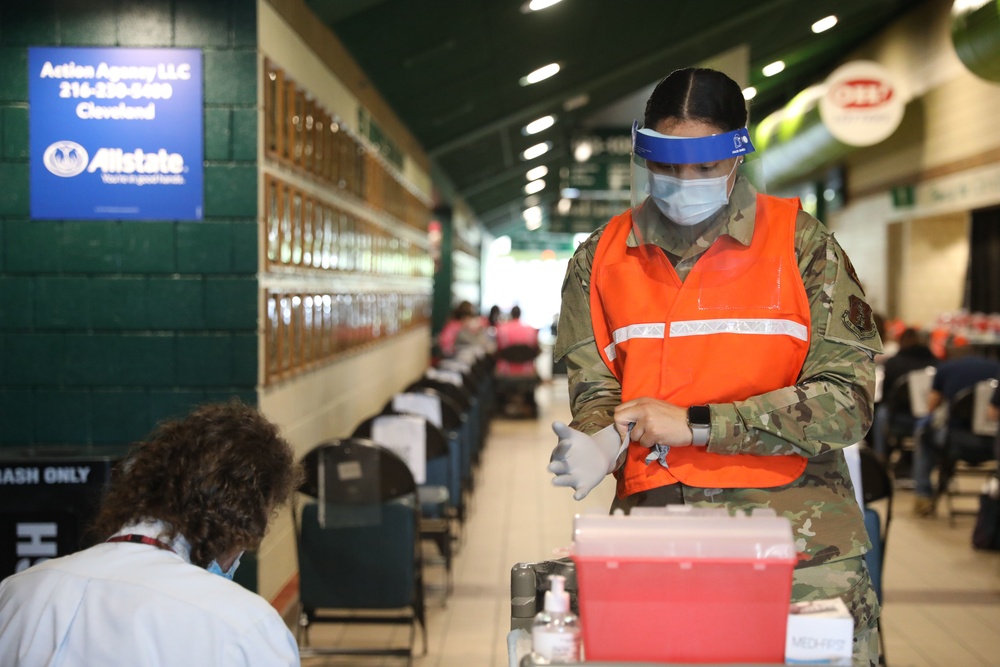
column 516, row 378
column 513, row 332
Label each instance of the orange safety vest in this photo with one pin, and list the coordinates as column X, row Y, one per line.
column 738, row 326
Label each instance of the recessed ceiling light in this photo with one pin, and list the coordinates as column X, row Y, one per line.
column 774, row 68
column 533, row 214
column 824, row 24
column 536, row 173
column 749, row 93
column 536, row 126
column 536, row 5
column 540, row 74
column 536, row 150
column 564, row 206
column 583, row 151
column 534, row 186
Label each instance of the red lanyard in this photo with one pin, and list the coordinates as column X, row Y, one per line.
column 141, row 539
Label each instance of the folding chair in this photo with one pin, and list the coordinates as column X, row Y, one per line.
column 441, row 411
column 516, row 389
column 464, row 402
column 968, row 448
column 358, row 544
column 876, row 486
column 906, row 401
column 435, row 466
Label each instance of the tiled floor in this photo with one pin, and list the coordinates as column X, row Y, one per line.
column 942, row 606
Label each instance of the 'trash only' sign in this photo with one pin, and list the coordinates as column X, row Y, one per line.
column 116, row 133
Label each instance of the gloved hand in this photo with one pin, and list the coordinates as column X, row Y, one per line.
column 582, row 461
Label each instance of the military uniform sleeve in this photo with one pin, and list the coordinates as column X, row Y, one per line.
column 594, row 392
column 830, row 406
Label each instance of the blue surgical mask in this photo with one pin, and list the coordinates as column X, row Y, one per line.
column 689, row 201
column 214, row 568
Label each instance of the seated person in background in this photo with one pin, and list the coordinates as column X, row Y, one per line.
column 913, row 355
column 179, row 512
column 516, row 379
column 513, row 332
column 458, row 330
column 961, row 370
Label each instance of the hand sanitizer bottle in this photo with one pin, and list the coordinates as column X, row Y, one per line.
column 555, row 635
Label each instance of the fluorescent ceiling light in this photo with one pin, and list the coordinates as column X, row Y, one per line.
column 536, row 5
column 583, row 151
column 570, row 193
column 536, row 126
column 536, row 173
column 534, row 186
column 749, row 93
column 533, row 214
column 540, row 74
column 536, row 150
column 824, row 24
column 774, row 68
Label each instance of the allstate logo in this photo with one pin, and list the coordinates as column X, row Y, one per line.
column 65, row 158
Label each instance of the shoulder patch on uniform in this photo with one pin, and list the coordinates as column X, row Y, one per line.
column 858, row 316
column 850, row 270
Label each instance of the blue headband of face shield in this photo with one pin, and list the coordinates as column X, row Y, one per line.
column 651, row 145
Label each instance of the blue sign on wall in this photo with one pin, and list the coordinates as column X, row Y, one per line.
column 116, row 133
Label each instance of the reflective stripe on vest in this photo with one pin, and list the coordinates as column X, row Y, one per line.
column 705, row 328
column 736, row 327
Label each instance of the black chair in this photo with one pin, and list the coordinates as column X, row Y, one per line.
column 449, row 418
column 358, row 544
column 966, row 451
column 900, row 426
column 441, row 491
column 516, row 392
column 876, row 486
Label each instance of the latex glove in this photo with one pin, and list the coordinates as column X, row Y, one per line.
column 581, row 461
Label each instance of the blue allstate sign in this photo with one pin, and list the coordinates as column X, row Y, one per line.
column 116, row 133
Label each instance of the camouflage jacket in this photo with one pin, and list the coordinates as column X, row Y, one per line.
column 829, row 407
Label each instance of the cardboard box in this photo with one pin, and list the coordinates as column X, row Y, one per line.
column 819, row 633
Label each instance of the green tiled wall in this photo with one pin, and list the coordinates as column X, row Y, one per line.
column 107, row 327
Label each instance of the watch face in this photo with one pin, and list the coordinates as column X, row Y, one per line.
column 699, row 414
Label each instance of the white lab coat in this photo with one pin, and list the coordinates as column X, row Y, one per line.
column 134, row 604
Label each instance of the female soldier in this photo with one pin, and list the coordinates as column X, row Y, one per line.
column 727, row 332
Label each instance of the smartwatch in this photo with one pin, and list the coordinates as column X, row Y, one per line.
column 700, row 421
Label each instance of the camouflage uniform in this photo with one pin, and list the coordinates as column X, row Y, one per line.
column 829, row 408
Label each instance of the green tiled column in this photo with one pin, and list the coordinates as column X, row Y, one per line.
column 108, row 326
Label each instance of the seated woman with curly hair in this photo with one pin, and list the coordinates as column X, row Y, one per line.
column 181, row 508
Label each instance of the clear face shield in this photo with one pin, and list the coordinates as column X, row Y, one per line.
column 688, row 180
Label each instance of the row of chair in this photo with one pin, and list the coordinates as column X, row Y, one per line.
column 403, row 477
column 970, row 430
